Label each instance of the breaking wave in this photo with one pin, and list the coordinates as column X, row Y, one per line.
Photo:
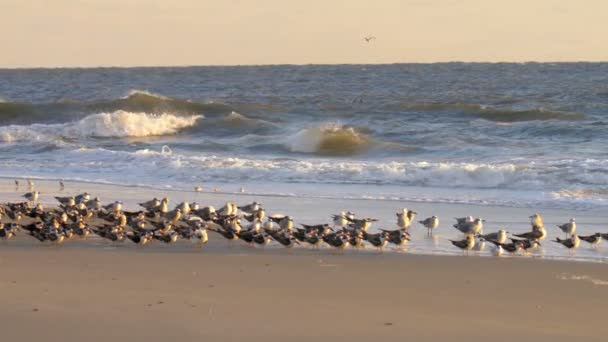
column 330, row 139
column 103, row 125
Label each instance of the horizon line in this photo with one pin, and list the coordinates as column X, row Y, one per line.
column 293, row 64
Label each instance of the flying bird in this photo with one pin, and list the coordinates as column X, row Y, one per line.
column 368, row 39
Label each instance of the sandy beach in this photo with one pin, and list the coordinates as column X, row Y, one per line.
column 94, row 290
column 219, row 294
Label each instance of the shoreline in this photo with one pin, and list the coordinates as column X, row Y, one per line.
column 315, row 210
column 150, row 296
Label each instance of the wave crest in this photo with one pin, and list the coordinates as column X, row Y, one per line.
column 127, row 124
column 497, row 114
column 329, row 139
column 117, row 124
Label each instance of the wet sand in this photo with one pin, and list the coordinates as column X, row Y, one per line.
column 97, row 291
column 226, row 294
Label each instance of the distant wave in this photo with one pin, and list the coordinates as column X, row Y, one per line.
column 116, row 124
column 136, row 102
column 495, row 114
column 329, row 139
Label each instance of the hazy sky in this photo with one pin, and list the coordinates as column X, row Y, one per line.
column 210, row 32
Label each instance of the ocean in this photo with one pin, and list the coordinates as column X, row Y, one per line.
column 521, row 135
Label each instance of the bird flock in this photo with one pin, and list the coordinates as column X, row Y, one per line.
column 83, row 215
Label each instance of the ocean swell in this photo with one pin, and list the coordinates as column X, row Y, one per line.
column 330, row 139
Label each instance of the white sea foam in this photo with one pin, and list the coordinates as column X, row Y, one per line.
column 126, row 124
column 115, row 124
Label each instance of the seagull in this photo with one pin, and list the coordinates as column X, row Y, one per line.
column 340, row 220
column 16, row 184
column 61, row 186
column 480, row 245
column 83, row 197
column 368, row 39
column 568, row 228
column 466, row 245
column 32, row 196
column 430, row 224
column 500, row 236
column 471, row 228
column 537, row 221
column 198, row 188
column 30, row 184
column 405, row 218
column 594, row 239
column 497, row 250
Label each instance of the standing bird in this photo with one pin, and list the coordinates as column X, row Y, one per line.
column 32, row 196
column 466, row 245
column 471, row 228
column 16, row 185
column 430, row 223
column 500, row 236
column 30, row 184
column 572, row 243
column 61, row 186
column 405, row 218
column 594, row 239
column 537, row 221
column 568, row 228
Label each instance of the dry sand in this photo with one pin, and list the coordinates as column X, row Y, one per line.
column 77, row 293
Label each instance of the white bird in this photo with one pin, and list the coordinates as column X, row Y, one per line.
column 537, row 221
column 405, row 218
column 500, row 236
column 198, row 188
column 568, row 228
column 340, row 220
column 480, row 245
column 471, row 228
column 497, row 250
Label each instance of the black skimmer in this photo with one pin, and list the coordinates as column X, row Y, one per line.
column 538, row 233
column 8, row 231
column 594, row 239
column 527, row 244
column 430, row 223
column 377, row 240
column 140, row 238
column 466, row 245
column 336, row 240
column 512, row 248
column 572, row 243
